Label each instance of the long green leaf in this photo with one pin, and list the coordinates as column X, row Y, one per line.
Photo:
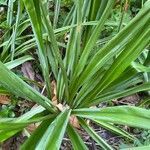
column 76, row 140
column 56, row 13
column 54, row 46
column 33, row 10
column 32, row 142
column 115, row 129
column 4, row 135
column 126, row 115
column 108, row 96
column 20, row 123
column 53, row 136
column 12, row 64
column 14, row 34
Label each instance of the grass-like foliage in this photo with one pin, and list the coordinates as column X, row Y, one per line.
column 86, row 75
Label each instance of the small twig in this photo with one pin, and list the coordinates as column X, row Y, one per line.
column 44, row 86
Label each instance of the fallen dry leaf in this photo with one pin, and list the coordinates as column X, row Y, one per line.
column 60, row 107
column 54, row 97
column 53, row 84
column 32, row 127
column 126, row 6
column 4, row 99
column 54, row 100
column 73, row 119
column 28, row 70
column 129, row 100
column 74, row 122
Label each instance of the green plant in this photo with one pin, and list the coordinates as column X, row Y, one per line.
column 144, row 138
column 142, row 64
column 13, row 26
column 84, row 78
column 142, row 141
